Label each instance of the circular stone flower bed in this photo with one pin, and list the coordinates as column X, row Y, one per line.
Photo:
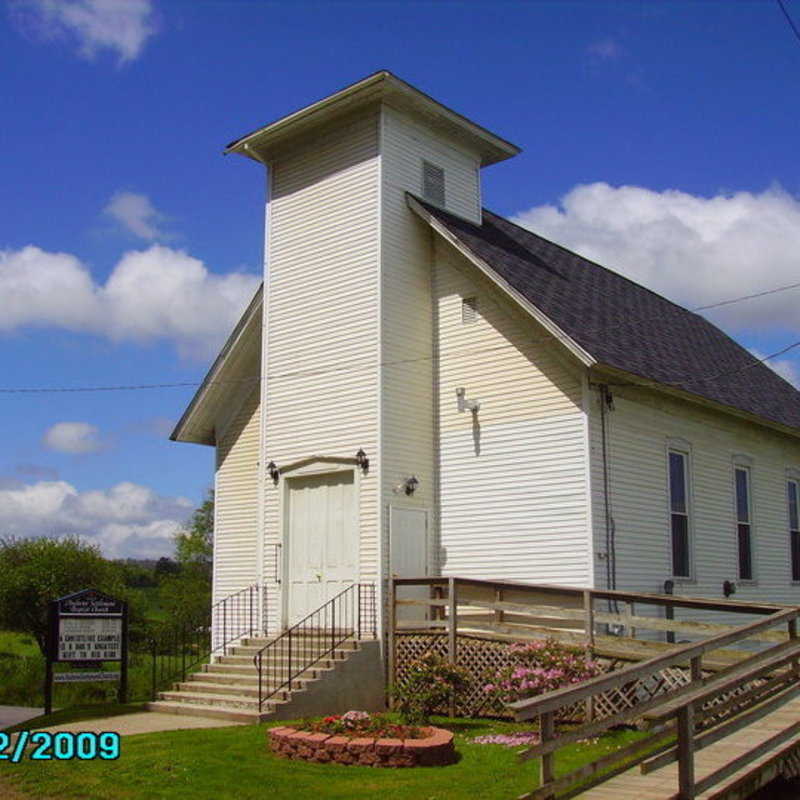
column 434, row 747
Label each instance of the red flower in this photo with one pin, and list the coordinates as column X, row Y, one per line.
column 332, row 719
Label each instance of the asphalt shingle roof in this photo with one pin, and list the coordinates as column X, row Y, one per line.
column 622, row 324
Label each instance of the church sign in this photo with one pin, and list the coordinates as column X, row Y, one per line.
column 86, row 629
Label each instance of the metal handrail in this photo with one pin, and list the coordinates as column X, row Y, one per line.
column 178, row 649
column 350, row 614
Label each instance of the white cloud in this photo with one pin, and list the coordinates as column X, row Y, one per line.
column 694, row 250
column 121, row 26
column 605, row 49
column 137, row 214
column 127, row 520
column 157, row 293
column 73, row 437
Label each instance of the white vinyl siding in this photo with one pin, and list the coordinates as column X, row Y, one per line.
column 408, row 144
column 640, row 426
column 406, row 345
column 236, row 500
column 513, row 477
column 322, row 316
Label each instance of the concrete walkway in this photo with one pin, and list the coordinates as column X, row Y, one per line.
column 143, row 722
column 13, row 715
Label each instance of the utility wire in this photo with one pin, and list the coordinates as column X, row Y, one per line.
column 347, row 366
column 789, row 19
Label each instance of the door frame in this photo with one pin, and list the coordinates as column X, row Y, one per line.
column 311, row 468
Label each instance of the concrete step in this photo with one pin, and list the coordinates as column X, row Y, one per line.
column 298, row 659
column 260, row 641
column 232, row 714
column 211, row 699
column 245, row 671
column 240, row 681
column 302, row 646
column 228, row 688
column 236, row 690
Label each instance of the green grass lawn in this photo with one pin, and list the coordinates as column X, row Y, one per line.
column 234, row 764
column 20, row 645
column 22, row 671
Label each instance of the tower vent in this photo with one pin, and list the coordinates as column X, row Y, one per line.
column 433, row 183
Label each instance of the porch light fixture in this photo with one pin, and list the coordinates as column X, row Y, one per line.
column 274, row 472
column 362, row 461
column 410, row 485
column 466, row 405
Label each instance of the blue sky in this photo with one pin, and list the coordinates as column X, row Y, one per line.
column 659, row 138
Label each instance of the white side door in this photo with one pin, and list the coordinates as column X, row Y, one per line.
column 408, row 556
column 321, row 540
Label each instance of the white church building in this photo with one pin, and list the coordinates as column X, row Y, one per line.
column 422, row 387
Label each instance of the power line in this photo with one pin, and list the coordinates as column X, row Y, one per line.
column 347, row 366
column 747, row 297
column 755, row 363
column 789, row 19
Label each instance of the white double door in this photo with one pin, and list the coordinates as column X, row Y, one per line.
column 321, row 540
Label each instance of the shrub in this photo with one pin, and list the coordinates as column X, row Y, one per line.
column 539, row 667
column 427, row 687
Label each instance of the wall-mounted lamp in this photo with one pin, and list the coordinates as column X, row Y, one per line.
column 464, row 404
column 362, row 461
column 274, row 472
column 728, row 588
column 410, row 485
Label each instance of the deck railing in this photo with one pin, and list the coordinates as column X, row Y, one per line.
column 736, row 672
column 281, row 664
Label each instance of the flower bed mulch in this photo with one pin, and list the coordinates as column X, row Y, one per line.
column 434, row 747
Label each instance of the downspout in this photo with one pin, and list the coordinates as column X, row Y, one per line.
column 606, row 405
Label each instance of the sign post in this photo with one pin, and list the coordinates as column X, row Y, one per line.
column 86, row 629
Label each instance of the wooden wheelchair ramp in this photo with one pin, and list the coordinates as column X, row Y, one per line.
column 778, row 760
column 703, row 737
column 721, row 711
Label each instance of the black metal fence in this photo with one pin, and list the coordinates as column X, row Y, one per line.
column 177, row 649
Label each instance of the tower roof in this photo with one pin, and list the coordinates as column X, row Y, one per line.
column 382, row 86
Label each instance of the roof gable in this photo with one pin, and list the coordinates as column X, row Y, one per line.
column 624, row 325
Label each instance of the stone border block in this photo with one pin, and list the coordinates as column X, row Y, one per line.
column 435, row 748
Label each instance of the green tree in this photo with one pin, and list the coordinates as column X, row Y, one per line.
column 194, row 544
column 186, row 596
column 35, row 571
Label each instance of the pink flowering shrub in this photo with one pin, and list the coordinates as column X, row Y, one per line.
column 427, row 687
column 540, row 667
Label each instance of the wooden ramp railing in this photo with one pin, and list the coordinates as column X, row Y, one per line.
column 736, row 673
column 682, row 711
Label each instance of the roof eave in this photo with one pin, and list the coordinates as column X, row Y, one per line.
column 182, row 431
column 631, row 378
column 380, row 85
column 586, row 358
